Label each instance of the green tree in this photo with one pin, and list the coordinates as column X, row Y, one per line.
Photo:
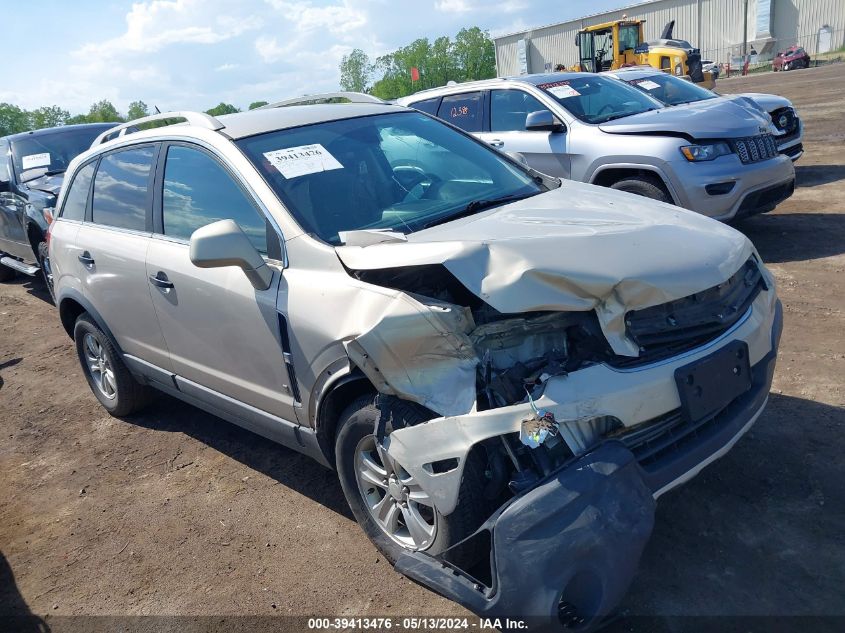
column 257, row 104
column 222, row 108
column 12, row 119
column 475, row 54
column 76, row 119
column 47, row 116
column 355, row 71
column 137, row 110
column 103, row 112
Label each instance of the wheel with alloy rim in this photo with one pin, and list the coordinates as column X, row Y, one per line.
column 46, row 269
column 392, row 508
column 397, row 504
column 99, row 366
column 110, row 381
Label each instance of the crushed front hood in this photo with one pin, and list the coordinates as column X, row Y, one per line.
column 47, row 184
column 712, row 118
column 576, row 248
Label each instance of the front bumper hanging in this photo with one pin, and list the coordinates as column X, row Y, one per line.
column 563, row 553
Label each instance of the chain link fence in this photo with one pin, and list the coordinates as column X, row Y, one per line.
column 824, row 46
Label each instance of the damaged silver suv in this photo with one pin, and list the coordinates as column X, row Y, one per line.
column 505, row 369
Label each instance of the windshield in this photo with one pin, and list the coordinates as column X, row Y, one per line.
column 401, row 172
column 671, row 90
column 51, row 153
column 596, row 99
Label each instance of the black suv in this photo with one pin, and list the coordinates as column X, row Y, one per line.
column 32, row 167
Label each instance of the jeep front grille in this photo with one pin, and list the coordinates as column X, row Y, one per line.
column 753, row 149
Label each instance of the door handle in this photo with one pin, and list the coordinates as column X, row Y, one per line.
column 86, row 259
column 161, row 281
column 496, row 143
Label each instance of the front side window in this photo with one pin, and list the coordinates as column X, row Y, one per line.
column 77, row 196
column 199, row 191
column 121, row 189
column 509, row 109
column 594, row 99
column 5, row 176
column 670, row 89
column 402, row 171
column 463, row 110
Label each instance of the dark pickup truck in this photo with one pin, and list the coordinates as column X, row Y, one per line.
column 32, row 166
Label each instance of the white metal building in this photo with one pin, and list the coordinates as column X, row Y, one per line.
column 714, row 26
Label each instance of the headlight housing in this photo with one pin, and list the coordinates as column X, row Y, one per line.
column 679, row 70
column 707, row 151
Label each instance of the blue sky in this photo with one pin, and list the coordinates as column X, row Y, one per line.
column 192, row 54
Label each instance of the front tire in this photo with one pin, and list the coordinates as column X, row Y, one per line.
column 6, row 273
column 392, row 509
column 110, row 381
column 645, row 186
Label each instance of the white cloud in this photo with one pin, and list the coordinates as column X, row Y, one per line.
column 224, row 67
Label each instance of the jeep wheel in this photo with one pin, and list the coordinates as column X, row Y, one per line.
column 646, row 186
column 46, row 269
column 391, row 508
column 109, row 379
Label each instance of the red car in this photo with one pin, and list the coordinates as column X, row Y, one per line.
column 792, row 57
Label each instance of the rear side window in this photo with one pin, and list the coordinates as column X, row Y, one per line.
column 121, row 189
column 77, row 197
column 429, row 106
column 463, row 110
column 199, row 191
column 510, row 108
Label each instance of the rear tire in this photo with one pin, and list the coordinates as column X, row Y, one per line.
column 110, row 381
column 355, row 460
column 646, row 186
column 46, row 269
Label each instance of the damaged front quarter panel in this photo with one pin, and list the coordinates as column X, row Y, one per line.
column 418, row 350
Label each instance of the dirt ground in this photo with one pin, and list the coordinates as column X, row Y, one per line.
column 175, row 512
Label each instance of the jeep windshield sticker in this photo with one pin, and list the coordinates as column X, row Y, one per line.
column 560, row 89
column 647, row 84
column 302, row 160
column 35, row 160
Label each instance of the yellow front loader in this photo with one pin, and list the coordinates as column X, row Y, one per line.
column 614, row 45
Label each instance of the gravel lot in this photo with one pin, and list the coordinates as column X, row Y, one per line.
column 176, row 512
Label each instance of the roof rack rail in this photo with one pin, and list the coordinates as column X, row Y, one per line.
column 354, row 97
column 199, row 119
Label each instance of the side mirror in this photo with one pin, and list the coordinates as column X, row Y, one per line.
column 223, row 243
column 518, row 158
column 543, row 121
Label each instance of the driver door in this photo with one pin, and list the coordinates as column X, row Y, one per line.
column 544, row 151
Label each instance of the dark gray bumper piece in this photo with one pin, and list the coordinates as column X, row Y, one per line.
column 574, row 540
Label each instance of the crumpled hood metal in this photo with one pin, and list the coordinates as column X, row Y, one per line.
column 765, row 101
column 579, row 247
column 711, row 118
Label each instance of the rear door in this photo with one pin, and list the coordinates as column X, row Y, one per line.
column 544, row 151
column 222, row 333
column 112, row 248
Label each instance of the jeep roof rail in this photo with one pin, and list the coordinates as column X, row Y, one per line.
column 199, row 119
column 353, row 97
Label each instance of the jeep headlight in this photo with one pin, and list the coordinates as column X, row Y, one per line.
column 709, row 151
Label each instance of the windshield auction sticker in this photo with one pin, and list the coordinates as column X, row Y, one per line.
column 647, row 84
column 302, row 160
column 560, row 89
column 35, row 160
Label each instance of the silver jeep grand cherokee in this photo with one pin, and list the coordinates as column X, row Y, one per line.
column 505, row 369
column 717, row 157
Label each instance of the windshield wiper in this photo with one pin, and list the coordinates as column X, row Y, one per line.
column 479, row 205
